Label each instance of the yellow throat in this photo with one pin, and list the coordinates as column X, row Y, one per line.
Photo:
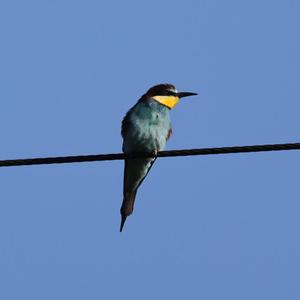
column 169, row 101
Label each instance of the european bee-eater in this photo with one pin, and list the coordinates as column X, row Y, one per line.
column 146, row 128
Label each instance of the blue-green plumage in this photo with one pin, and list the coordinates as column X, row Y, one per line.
column 145, row 128
column 148, row 126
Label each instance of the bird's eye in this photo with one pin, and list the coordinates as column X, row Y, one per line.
column 170, row 93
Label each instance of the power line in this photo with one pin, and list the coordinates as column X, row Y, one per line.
column 170, row 153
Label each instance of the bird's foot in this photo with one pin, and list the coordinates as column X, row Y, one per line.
column 154, row 153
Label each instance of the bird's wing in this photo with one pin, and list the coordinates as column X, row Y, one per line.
column 169, row 133
column 126, row 121
column 150, row 166
column 135, row 171
column 132, row 180
column 125, row 126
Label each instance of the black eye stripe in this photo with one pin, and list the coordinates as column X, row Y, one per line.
column 170, row 93
column 166, row 93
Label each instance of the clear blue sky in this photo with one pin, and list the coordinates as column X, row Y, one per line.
column 215, row 227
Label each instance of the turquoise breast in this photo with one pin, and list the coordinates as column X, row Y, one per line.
column 149, row 124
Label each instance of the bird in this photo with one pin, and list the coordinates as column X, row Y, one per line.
column 146, row 128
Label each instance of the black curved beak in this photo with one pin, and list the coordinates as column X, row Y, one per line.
column 185, row 94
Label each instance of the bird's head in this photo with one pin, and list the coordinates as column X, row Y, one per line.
column 166, row 94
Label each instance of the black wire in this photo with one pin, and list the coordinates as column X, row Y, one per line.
column 170, row 153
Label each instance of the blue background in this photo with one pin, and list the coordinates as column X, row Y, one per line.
column 215, row 227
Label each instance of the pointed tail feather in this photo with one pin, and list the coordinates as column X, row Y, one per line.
column 123, row 219
column 127, row 207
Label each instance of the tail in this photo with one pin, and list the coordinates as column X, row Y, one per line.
column 127, row 207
